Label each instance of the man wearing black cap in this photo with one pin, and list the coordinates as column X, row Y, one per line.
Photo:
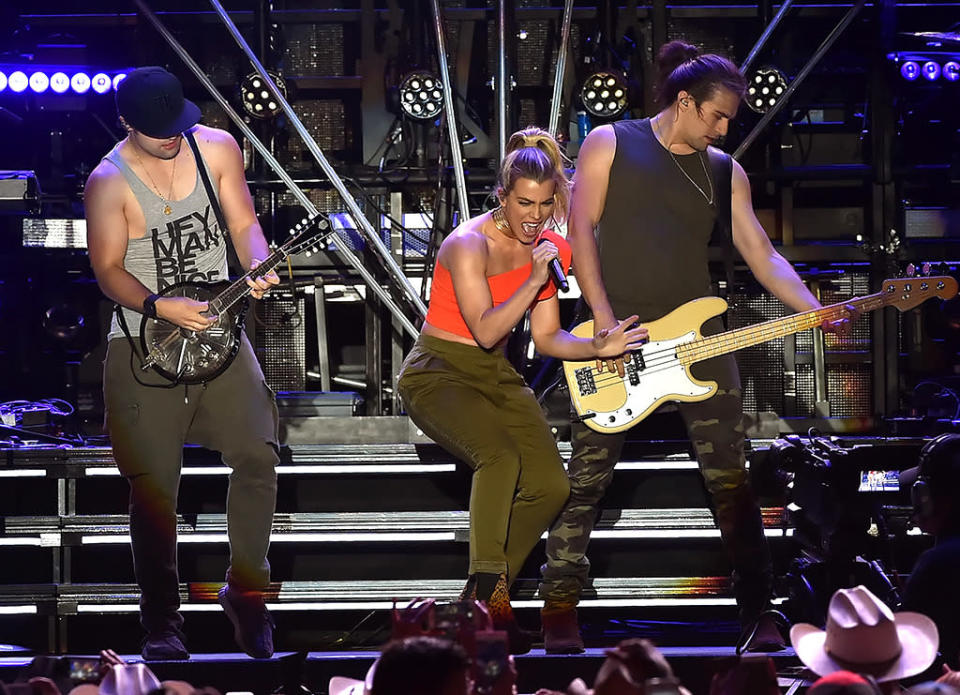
column 932, row 588
column 151, row 224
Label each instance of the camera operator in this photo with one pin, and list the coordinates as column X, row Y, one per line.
column 933, row 584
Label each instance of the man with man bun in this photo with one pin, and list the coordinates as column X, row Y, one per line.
column 646, row 186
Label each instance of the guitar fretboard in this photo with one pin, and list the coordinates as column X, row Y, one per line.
column 730, row 341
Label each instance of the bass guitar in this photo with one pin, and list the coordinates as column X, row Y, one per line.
column 660, row 370
column 193, row 357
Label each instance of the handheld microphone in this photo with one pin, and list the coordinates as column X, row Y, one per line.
column 556, row 271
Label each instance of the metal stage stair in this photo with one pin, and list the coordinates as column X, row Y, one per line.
column 359, row 527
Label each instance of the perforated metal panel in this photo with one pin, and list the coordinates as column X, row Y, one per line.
column 314, row 49
column 281, row 341
column 761, row 366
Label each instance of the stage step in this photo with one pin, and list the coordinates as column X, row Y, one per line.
column 341, row 527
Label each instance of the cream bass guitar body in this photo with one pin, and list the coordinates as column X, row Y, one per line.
column 660, row 370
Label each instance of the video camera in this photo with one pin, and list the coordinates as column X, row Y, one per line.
column 844, row 501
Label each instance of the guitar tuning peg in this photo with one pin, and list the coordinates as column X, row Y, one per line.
column 911, row 270
column 926, row 268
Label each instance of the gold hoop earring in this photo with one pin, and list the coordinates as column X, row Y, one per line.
column 500, row 219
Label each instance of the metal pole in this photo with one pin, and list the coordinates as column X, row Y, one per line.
column 450, row 110
column 372, row 237
column 311, row 209
column 765, row 35
column 561, row 68
column 502, row 86
column 811, row 64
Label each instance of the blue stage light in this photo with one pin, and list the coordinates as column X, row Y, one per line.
column 910, row 70
column 39, row 82
column 101, row 83
column 80, row 82
column 951, row 71
column 118, row 78
column 3, row 81
column 931, row 70
column 59, row 82
column 18, row 81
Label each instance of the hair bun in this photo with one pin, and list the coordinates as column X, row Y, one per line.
column 676, row 53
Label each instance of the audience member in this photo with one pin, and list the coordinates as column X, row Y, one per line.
column 843, row 683
column 633, row 667
column 933, row 688
column 750, row 673
column 933, row 485
column 863, row 635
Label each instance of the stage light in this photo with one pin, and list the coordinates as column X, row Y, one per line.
column 931, row 70
column 257, row 99
column 604, row 94
column 59, row 82
column 39, row 82
column 101, row 83
column 3, row 81
column 80, row 82
column 951, row 71
column 421, row 95
column 118, row 78
column 910, row 70
column 18, row 81
column 766, row 87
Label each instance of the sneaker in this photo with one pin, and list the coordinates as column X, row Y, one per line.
column 561, row 630
column 164, row 646
column 252, row 624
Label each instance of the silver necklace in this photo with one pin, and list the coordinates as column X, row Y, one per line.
column 709, row 199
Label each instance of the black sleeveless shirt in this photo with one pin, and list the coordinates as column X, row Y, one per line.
column 656, row 225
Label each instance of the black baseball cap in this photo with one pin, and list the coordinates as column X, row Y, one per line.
column 150, row 100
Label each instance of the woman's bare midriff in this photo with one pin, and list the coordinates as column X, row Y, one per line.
column 431, row 330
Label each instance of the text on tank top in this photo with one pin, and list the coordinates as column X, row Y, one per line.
column 656, row 225
column 186, row 245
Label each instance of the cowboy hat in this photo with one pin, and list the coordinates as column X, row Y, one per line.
column 129, row 679
column 339, row 685
column 865, row 636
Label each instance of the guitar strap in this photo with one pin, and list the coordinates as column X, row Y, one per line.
column 721, row 167
column 214, row 200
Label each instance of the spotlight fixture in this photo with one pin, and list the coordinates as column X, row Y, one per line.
column 80, row 82
column 59, row 82
column 765, row 89
column 3, row 81
column 258, row 101
column 101, row 83
column 421, row 95
column 604, row 94
column 39, row 82
column 931, row 70
column 910, row 70
column 951, row 71
column 18, row 81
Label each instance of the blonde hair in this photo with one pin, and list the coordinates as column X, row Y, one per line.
column 532, row 153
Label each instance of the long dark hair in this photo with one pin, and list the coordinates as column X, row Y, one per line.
column 681, row 67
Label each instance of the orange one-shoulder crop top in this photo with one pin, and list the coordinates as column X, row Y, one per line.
column 444, row 312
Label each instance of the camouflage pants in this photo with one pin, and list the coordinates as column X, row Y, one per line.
column 715, row 427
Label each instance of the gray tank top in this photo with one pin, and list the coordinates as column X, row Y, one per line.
column 185, row 246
